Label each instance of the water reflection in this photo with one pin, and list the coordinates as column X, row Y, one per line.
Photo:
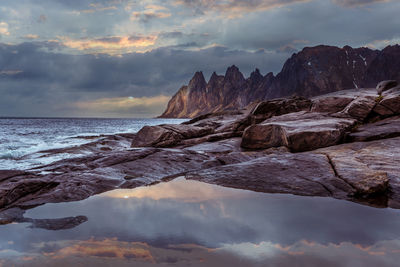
column 187, row 222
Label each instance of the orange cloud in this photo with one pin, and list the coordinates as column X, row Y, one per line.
column 31, row 36
column 121, row 103
column 4, row 28
column 110, row 45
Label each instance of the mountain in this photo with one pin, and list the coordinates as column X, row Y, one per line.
column 313, row 71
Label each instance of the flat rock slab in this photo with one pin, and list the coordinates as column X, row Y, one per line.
column 370, row 167
column 387, row 128
column 300, row 131
column 300, row 174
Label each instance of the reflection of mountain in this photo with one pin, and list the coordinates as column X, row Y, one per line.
column 313, row 71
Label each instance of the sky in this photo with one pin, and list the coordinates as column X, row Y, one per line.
column 126, row 58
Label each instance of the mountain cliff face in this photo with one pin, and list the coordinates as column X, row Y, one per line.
column 313, row 71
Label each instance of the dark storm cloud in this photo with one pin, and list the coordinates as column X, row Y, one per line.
column 49, row 83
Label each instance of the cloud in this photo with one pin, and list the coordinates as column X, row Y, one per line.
column 10, row 72
column 51, row 81
column 380, row 44
column 42, row 19
column 357, row 3
column 31, row 36
column 151, row 12
column 114, row 45
column 4, row 28
column 235, row 8
column 123, row 105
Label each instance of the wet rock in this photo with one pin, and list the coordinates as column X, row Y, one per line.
column 385, row 85
column 387, row 128
column 360, row 107
column 389, row 103
column 331, row 104
column 167, row 135
column 370, row 167
column 300, row 174
column 277, row 107
column 301, row 131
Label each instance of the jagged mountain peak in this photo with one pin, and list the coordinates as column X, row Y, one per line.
column 197, row 82
column 312, row 71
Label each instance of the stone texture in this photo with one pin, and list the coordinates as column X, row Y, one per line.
column 301, row 131
column 389, row 104
column 387, row 128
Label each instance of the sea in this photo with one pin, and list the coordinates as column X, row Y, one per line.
column 22, row 139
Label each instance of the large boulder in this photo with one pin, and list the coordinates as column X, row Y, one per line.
column 360, row 107
column 355, row 103
column 300, row 131
column 167, row 135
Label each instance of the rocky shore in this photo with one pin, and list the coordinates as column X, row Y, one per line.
column 344, row 145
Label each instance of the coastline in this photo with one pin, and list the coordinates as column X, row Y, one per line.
column 304, row 147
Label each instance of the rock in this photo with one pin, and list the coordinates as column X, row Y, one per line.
column 360, row 107
column 331, row 104
column 167, row 135
column 355, row 103
column 389, row 103
column 370, row 167
column 385, row 85
column 300, row 174
column 387, row 128
column 311, row 72
column 267, row 109
column 300, row 131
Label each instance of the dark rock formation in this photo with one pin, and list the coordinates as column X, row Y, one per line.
column 344, row 145
column 310, row 72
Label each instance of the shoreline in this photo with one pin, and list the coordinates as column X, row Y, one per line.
column 316, row 147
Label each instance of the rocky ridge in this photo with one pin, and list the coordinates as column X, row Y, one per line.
column 344, row 145
column 313, row 71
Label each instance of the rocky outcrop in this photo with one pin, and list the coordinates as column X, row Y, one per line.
column 313, row 71
column 343, row 145
column 301, row 131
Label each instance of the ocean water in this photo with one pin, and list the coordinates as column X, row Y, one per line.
column 22, row 138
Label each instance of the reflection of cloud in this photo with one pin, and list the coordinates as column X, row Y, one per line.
column 107, row 248
column 187, row 190
column 114, row 45
column 343, row 251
